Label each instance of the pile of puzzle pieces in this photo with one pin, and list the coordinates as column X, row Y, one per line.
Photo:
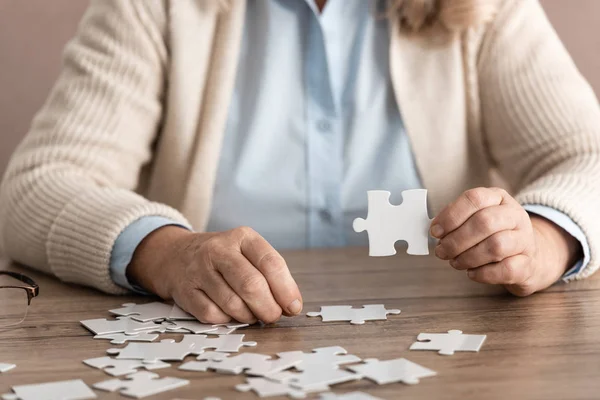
column 292, row 373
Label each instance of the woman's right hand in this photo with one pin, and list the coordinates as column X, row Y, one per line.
column 217, row 276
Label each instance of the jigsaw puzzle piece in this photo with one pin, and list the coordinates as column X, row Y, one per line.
column 169, row 350
column 198, row 327
column 102, row 326
column 348, row 396
column 390, row 371
column 249, row 363
column 386, row 224
column 204, row 361
column 448, row 343
column 177, row 314
column 356, row 316
column 316, row 378
column 65, row 390
column 331, row 357
column 121, row 338
column 145, row 312
column 6, row 367
column 116, row 367
column 141, row 384
column 267, row 388
column 165, row 350
column 189, row 327
column 222, row 343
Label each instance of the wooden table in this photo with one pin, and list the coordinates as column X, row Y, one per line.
column 546, row 346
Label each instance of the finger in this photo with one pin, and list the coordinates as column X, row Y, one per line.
column 480, row 226
column 197, row 303
column 273, row 267
column 251, row 286
column 510, row 271
column 219, row 291
column 494, row 249
column 467, row 204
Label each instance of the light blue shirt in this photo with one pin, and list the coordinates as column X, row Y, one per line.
column 313, row 124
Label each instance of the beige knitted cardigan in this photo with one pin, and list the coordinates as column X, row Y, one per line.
column 133, row 127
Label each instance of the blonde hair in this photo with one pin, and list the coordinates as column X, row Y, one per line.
column 440, row 17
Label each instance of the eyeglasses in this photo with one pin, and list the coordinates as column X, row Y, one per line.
column 15, row 300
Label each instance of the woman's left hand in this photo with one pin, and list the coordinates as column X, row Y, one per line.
column 490, row 235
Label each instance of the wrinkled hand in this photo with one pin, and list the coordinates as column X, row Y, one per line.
column 217, row 276
column 490, row 235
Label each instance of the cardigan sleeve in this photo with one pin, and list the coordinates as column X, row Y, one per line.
column 69, row 189
column 541, row 119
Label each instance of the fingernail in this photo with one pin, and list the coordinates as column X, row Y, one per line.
column 471, row 273
column 437, row 231
column 439, row 251
column 295, row 307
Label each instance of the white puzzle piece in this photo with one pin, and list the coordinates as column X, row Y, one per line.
column 6, row 367
column 177, row 314
column 169, row 350
column 348, row 396
column 102, row 326
column 165, row 350
column 386, row 224
column 228, row 329
column 189, row 327
column 356, row 316
column 323, row 357
column 145, row 312
column 316, row 378
column 390, row 371
column 63, row 390
column 9, row 396
column 248, row 363
column 141, row 384
column 267, row 388
column 115, row 367
column 120, row 338
column 448, row 343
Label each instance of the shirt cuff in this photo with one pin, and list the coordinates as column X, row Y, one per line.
column 126, row 244
column 565, row 222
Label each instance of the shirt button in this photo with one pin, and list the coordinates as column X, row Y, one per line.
column 324, row 125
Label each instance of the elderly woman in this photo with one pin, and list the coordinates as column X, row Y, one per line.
column 176, row 126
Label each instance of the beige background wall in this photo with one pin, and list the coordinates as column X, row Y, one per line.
column 33, row 32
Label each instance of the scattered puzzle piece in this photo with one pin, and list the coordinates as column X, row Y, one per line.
column 141, row 384
column 386, row 224
column 178, row 314
column 169, row 350
column 165, row 350
column 316, row 378
column 102, row 326
column 357, row 316
column 120, row 338
column 63, row 390
column 6, row 367
column 323, row 357
column 348, row 396
column 146, row 312
column 267, row 388
column 448, row 343
column 249, row 363
column 189, row 327
column 116, row 367
column 390, row 371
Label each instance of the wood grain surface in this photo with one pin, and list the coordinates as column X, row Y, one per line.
column 546, row 346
